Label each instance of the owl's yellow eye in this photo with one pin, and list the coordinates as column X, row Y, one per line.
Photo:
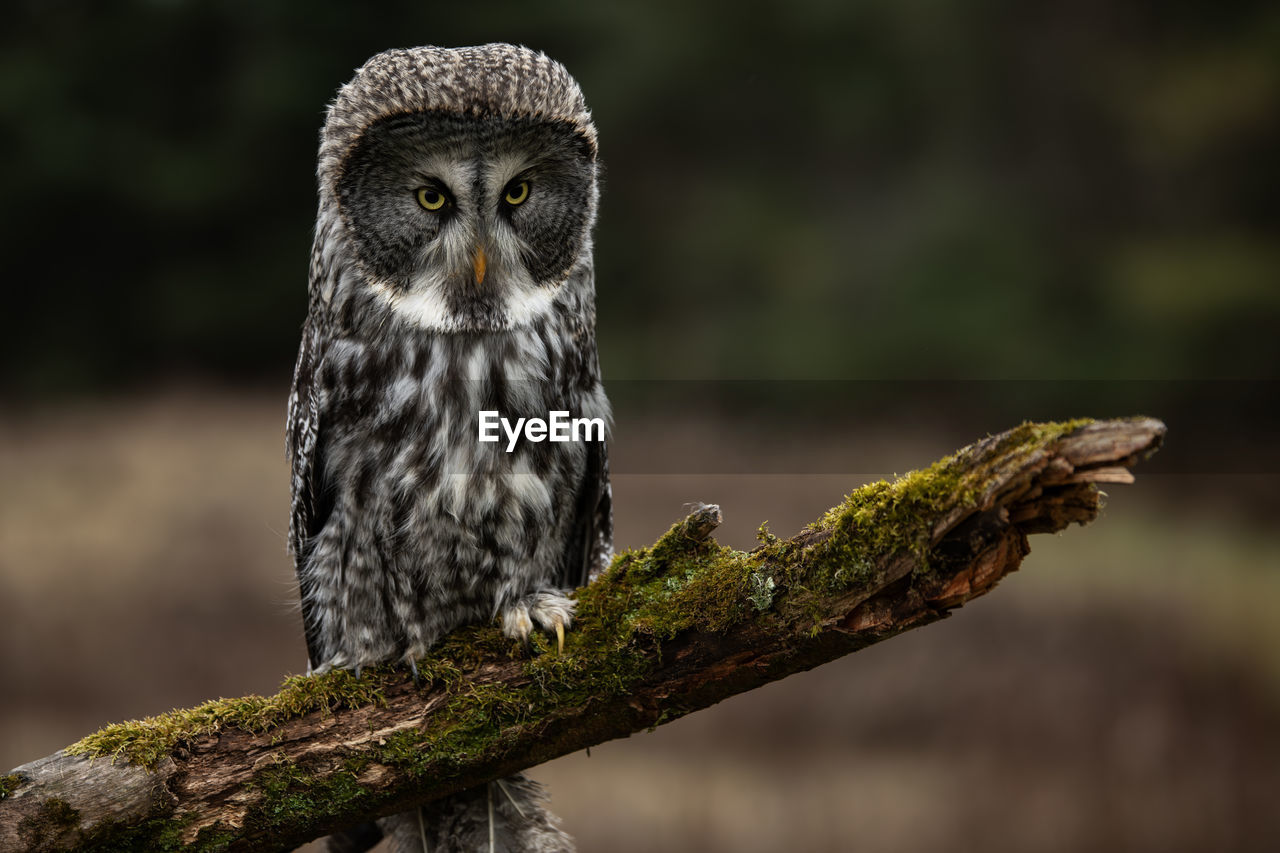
column 517, row 193
column 431, row 198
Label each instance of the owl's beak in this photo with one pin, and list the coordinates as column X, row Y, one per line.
column 479, row 263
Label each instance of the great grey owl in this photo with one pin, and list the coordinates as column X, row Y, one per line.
column 451, row 275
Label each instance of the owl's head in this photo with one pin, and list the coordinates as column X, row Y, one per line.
column 464, row 183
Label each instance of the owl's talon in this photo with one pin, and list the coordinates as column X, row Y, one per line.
column 516, row 622
column 413, row 667
column 550, row 611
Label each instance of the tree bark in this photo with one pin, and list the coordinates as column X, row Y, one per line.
column 666, row 630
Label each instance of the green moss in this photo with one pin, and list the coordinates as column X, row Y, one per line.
column 884, row 519
column 159, row 834
column 764, row 535
column 8, row 784
column 292, row 796
column 146, row 742
column 213, row 839
column 678, row 583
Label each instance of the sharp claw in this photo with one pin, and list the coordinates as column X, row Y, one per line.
column 413, row 667
column 358, row 668
column 559, row 637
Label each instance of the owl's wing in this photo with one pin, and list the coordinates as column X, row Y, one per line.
column 590, row 542
column 312, row 503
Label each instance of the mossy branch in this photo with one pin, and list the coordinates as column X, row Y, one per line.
column 669, row 629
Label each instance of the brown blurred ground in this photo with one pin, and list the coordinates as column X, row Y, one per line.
column 1120, row 693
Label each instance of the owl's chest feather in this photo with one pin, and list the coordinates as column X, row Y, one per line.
column 409, row 455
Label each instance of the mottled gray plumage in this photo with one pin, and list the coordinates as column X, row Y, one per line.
column 451, row 272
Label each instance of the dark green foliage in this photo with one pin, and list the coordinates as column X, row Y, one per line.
column 967, row 189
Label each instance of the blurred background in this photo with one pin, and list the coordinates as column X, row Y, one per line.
column 837, row 241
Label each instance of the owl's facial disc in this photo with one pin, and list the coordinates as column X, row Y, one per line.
column 466, row 223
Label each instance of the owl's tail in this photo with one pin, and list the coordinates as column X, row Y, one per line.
column 507, row 816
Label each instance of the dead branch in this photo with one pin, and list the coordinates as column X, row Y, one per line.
column 667, row 630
